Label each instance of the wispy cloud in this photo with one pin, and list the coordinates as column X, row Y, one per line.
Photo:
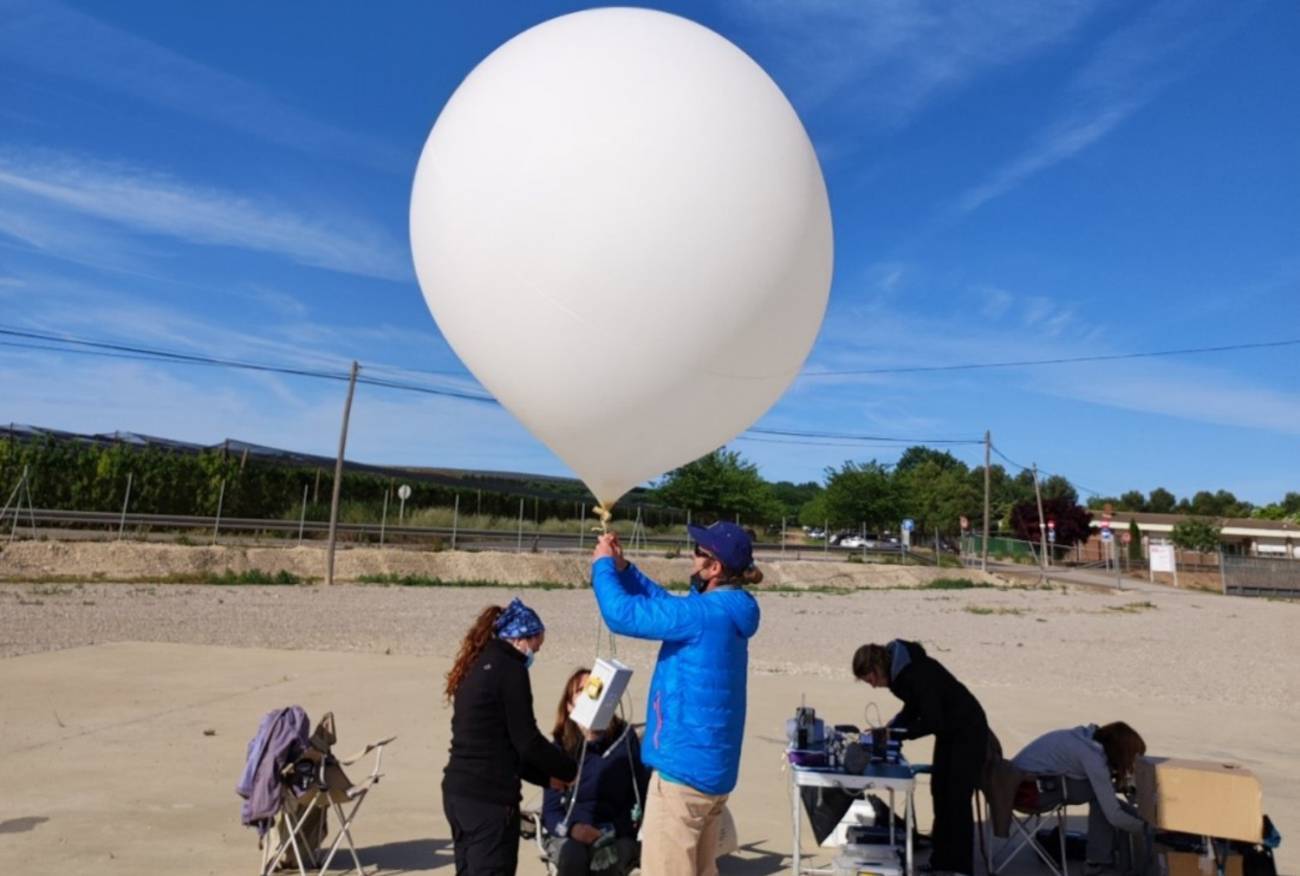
column 1128, row 70
column 156, row 204
column 995, row 300
column 95, row 395
column 891, row 57
column 49, row 37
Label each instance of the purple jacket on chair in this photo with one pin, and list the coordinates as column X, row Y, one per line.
column 281, row 738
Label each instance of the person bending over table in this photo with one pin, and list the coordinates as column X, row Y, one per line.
column 935, row 703
column 1096, row 762
column 593, row 826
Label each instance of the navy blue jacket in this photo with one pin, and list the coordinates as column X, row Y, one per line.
column 695, row 719
column 606, row 793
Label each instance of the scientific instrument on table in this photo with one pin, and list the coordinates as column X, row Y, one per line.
column 865, row 846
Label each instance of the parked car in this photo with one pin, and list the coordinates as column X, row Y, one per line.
column 852, row 541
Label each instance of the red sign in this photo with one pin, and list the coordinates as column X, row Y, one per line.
column 1105, row 524
column 1126, row 536
column 1051, row 524
column 965, row 524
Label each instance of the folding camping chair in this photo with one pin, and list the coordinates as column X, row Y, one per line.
column 1037, row 799
column 312, row 786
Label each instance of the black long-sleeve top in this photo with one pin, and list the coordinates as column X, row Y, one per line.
column 934, row 701
column 494, row 737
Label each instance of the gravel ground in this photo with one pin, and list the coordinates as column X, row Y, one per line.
column 1235, row 651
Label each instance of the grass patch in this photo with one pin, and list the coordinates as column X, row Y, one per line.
column 993, row 609
column 395, row 580
column 954, row 584
column 1133, row 607
column 281, row 578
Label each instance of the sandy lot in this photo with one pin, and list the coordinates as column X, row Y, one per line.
column 108, row 690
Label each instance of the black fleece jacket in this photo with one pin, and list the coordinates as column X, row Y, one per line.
column 494, row 737
column 935, row 702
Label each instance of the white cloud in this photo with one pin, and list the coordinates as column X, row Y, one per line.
column 1126, row 72
column 892, row 57
column 996, row 300
column 144, row 202
column 97, row 395
column 49, row 37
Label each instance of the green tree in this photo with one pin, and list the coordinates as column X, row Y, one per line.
column 936, row 495
column 1133, row 500
column 1058, row 487
column 1161, row 501
column 1134, row 542
column 814, row 513
column 914, row 457
column 862, row 492
column 1004, row 493
column 794, row 496
column 719, row 486
column 1196, row 534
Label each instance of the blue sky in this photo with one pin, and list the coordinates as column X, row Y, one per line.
column 1009, row 180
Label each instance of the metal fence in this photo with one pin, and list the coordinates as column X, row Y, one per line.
column 1260, row 576
column 524, row 535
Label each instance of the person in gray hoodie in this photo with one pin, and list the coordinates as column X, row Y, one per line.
column 1095, row 762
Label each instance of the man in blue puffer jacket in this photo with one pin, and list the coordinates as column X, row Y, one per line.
column 695, row 717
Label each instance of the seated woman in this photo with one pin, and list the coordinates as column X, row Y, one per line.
column 593, row 826
column 1095, row 761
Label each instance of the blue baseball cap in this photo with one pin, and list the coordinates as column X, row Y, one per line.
column 726, row 541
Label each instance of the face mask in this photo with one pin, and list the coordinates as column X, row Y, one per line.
column 698, row 584
column 529, row 657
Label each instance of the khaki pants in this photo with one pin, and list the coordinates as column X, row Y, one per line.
column 680, row 835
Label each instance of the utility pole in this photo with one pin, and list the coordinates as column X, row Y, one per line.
column 1042, row 524
column 338, row 477
column 984, row 548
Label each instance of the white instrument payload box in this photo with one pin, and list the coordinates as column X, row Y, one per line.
column 599, row 698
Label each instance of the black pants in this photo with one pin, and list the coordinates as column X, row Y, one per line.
column 484, row 836
column 955, row 775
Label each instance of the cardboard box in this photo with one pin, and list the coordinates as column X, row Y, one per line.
column 1171, row 863
column 1205, row 798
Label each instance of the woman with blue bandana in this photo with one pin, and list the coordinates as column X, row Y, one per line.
column 495, row 742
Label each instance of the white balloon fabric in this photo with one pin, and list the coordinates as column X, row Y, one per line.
column 621, row 228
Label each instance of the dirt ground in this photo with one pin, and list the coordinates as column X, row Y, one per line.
column 110, row 691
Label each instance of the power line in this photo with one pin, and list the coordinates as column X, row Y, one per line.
column 816, row 443
column 128, row 351
column 1050, row 474
column 843, row 436
column 106, row 349
column 1065, row 360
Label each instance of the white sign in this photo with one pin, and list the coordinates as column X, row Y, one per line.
column 1162, row 558
column 1105, row 535
column 403, row 492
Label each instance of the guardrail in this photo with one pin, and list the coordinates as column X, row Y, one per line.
column 57, row 523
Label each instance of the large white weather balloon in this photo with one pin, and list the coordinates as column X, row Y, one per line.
column 621, row 228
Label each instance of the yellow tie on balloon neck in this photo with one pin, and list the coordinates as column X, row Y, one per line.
column 604, row 514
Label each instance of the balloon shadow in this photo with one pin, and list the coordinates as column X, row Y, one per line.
column 22, row 825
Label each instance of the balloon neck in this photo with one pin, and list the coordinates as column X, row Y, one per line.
column 604, row 514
